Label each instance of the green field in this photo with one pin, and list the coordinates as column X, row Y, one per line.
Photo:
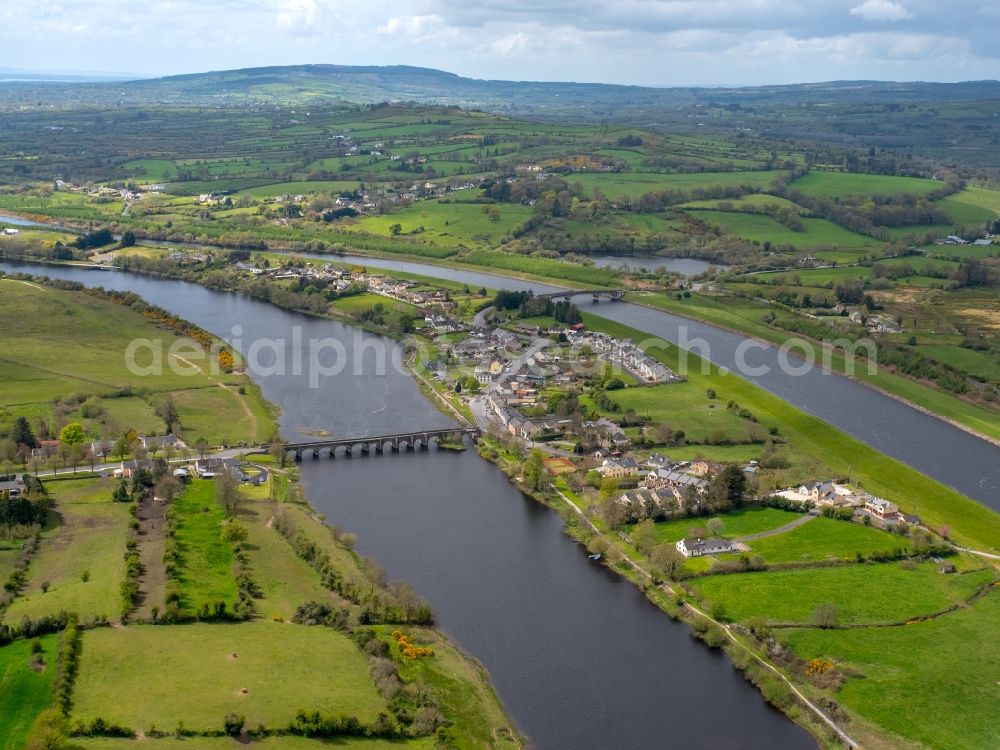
column 834, row 184
column 86, row 535
column 759, row 228
column 284, row 578
column 448, row 223
column 863, row 594
column 289, row 742
column 325, row 187
column 130, row 676
column 983, row 364
column 85, row 354
column 206, row 575
column 24, row 692
column 685, row 406
column 635, row 184
column 826, row 539
column 151, row 170
column 931, row 682
column 735, row 524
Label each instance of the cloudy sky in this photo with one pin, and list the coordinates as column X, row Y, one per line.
column 652, row 42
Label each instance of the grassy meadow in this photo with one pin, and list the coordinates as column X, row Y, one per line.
column 83, row 357
column 868, row 594
column 25, row 690
column 206, row 574
column 130, row 676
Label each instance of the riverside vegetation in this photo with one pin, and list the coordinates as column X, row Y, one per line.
column 114, row 587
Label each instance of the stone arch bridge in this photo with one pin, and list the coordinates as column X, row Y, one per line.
column 409, row 441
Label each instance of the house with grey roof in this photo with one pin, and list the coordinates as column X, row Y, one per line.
column 702, row 547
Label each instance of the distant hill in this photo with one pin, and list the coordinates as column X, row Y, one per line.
column 296, row 84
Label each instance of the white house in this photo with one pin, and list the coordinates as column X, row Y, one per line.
column 701, row 547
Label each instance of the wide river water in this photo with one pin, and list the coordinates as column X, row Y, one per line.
column 581, row 660
column 928, row 444
column 579, row 657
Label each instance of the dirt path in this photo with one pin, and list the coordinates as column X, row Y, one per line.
column 242, row 401
column 153, row 579
column 780, row 530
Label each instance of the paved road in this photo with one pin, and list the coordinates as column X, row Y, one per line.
column 112, row 465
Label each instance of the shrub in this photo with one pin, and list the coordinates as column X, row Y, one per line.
column 233, row 724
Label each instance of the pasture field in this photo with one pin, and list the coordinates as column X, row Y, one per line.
column 85, row 539
column 735, row 523
column 983, row 364
column 84, row 354
column 634, row 184
column 130, row 676
column 684, row 407
column 358, row 304
column 827, row 539
column 206, row 575
column 866, row 594
column 151, row 170
column 760, row 228
column 24, row 691
column 904, row 675
column 448, row 223
column 287, row 742
column 323, row 187
column 754, row 200
column 284, row 578
column 834, row 184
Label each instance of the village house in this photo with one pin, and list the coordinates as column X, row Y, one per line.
column 884, row 510
column 618, row 468
column 11, row 487
column 210, row 467
column 45, row 449
column 675, row 481
column 102, row 448
column 614, row 435
column 701, row 547
column 704, row 468
column 129, row 469
column 657, row 461
column 153, row 443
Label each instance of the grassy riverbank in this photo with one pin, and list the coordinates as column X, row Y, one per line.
column 869, row 675
column 840, row 454
column 165, row 682
column 64, row 351
column 745, row 317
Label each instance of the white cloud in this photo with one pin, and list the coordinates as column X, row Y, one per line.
column 881, row 10
column 298, row 16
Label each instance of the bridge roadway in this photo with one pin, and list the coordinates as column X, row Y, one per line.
column 612, row 294
column 407, row 440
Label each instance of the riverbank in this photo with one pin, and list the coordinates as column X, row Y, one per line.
column 808, row 684
column 715, row 635
column 970, row 418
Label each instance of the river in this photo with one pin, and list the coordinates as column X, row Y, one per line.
column 580, row 658
column 683, row 266
column 970, row 465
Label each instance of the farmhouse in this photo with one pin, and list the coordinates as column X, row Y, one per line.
column 701, row 547
column 882, row 509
